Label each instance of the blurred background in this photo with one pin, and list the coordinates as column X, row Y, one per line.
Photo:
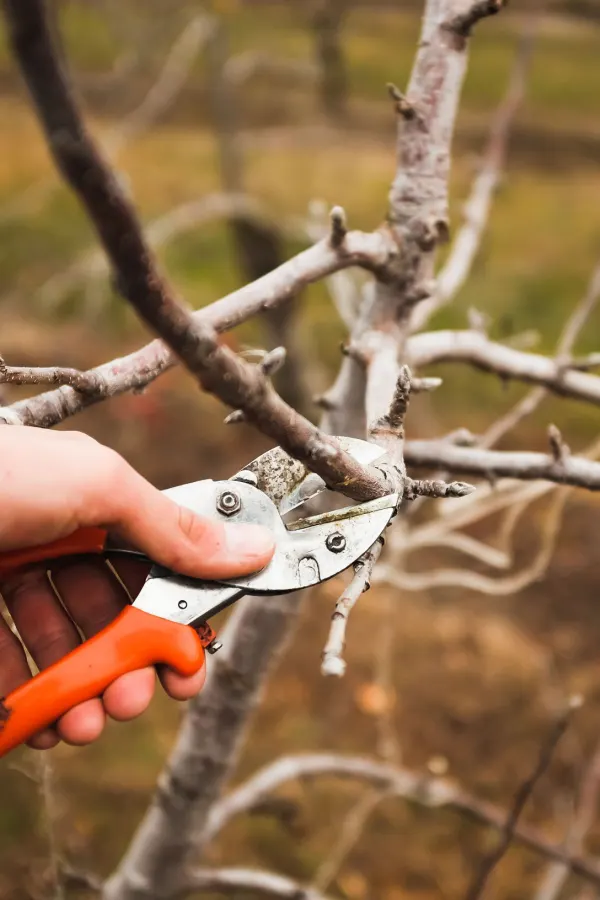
column 281, row 113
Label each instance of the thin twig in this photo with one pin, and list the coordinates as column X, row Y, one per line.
column 583, row 820
column 478, row 885
column 333, row 662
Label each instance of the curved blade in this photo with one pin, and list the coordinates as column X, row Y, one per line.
column 287, row 481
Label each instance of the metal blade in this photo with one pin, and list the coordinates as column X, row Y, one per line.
column 288, row 483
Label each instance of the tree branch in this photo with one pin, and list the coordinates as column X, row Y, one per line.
column 84, row 382
column 494, row 464
column 254, row 881
column 419, row 788
column 333, row 662
column 477, row 888
column 474, row 581
column 217, row 369
column 140, row 368
column 477, row 208
column 477, row 350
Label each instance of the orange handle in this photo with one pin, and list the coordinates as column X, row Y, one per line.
column 134, row 640
column 84, row 540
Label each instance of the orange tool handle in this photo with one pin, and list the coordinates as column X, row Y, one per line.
column 134, row 640
column 82, row 541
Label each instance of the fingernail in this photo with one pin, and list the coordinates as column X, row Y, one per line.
column 250, row 542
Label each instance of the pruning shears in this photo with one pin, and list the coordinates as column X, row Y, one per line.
column 168, row 622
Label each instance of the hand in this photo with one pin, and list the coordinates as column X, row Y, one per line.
column 52, row 483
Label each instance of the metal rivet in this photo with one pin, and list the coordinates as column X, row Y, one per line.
column 182, row 604
column 336, row 542
column 228, row 503
column 214, row 646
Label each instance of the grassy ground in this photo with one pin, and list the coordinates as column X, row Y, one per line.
column 471, row 675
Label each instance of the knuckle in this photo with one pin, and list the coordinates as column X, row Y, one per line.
column 21, row 583
column 194, row 528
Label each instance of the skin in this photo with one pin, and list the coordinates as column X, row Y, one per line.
column 55, row 482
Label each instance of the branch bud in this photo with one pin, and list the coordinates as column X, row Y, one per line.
column 558, row 448
column 402, row 105
column 235, row 418
column 339, row 228
column 273, row 361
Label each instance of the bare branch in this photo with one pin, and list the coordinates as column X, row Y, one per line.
column 93, row 265
column 254, row 881
column 141, row 368
column 523, row 794
column 525, row 407
column 416, row 787
column 476, row 211
column 566, row 342
column 88, row 383
column 474, row 581
column 583, row 820
column 217, row 369
column 349, row 833
column 475, row 349
column 476, row 10
column 393, row 420
column 524, row 465
column 168, row 85
column 241, row 68
column 579, row 317
column 460, row 543
column 333, row 662
column 161, row 95
column 415, row 489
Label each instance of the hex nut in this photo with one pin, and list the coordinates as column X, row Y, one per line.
column 228, row 503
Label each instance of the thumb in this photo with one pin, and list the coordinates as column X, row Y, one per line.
column 180, row 539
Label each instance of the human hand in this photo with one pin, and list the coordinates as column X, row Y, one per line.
column 53, row 483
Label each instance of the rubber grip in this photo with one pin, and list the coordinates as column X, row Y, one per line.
column 134, row 640
column 82, row 541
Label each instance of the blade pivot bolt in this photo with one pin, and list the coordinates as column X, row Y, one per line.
column 336, row 542
column 228, row 503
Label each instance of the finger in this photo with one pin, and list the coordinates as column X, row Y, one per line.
column 180, row 688
column 133, row 573
column 118, row 497
column 130, row 695
column 45, row 628
column 83, row 724
column 91, row 594
column 94, row 597
column 14, row 670
column 49, row 634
